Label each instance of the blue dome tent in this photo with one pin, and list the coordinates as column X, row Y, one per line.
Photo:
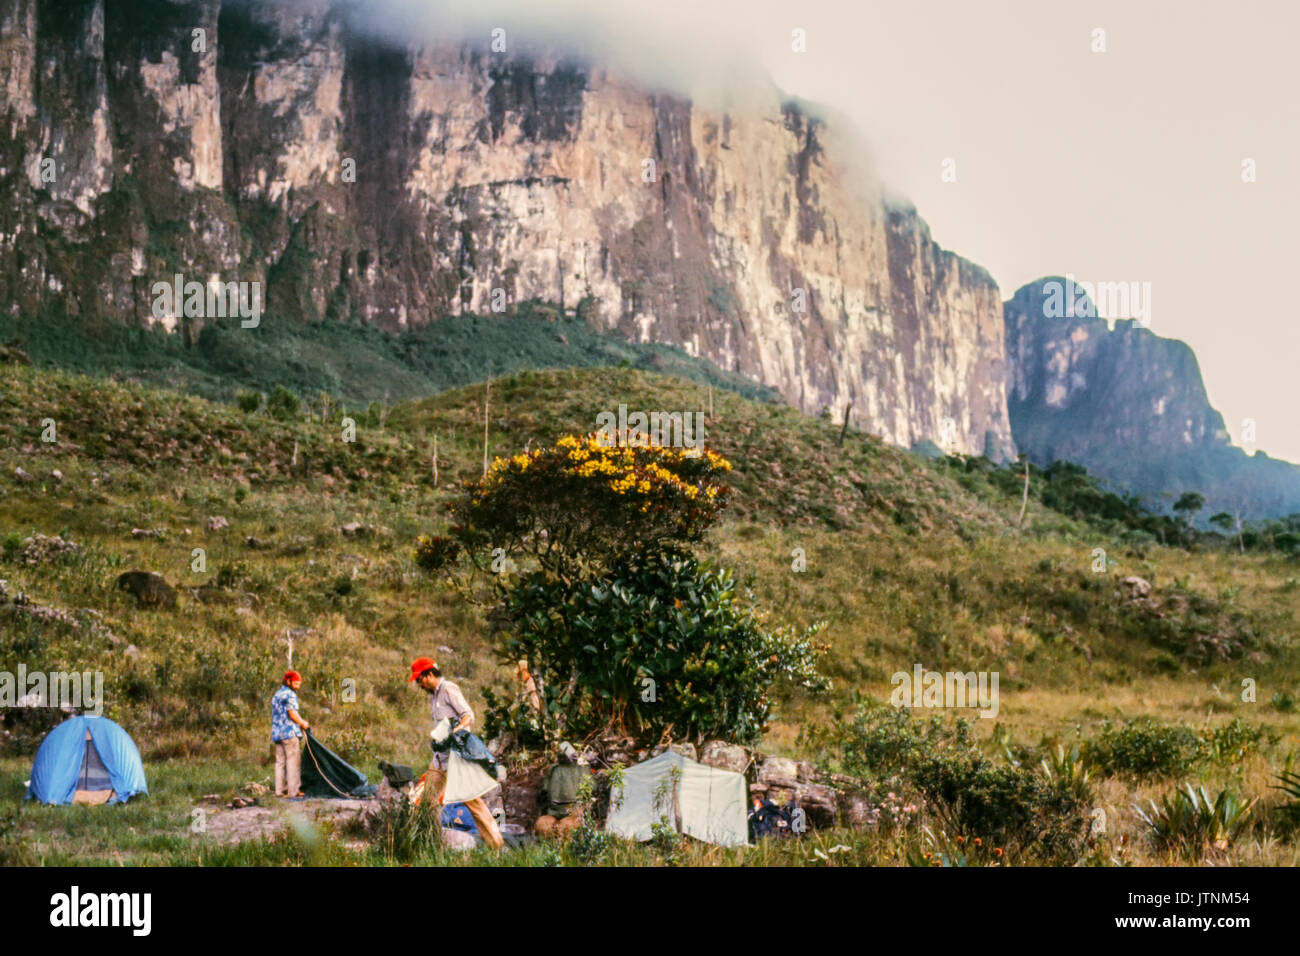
column 87, row 759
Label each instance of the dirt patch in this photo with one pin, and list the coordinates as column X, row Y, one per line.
column 225, row 825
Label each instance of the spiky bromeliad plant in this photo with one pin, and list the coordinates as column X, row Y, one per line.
column 1188, row 821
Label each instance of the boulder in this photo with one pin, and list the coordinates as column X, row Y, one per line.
column 148, row 588
column 686, row 750
column 857, row 811
column 23, row 476
column 819, row 802
column 217, row 523
column 458, row 840
column 779, row 772
column 724, row 756
column 1135, row 588
column 807, row 773
column 495, row 800
column 520, row 801
column 148, row 533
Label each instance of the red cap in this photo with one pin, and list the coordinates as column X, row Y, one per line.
column 420, row 665
column 291, row 675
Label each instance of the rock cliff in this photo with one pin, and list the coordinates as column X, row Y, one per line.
column 359, row 181
column 1130, row 405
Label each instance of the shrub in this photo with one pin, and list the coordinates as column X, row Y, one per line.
column 660, row 643
column 283, row 404
column 580, row 507
column 1043, row 812
column 1143, row 747
column 248, row 401
column 1008, row 806
column 404, row 831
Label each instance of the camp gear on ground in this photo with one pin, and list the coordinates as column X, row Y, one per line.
column 457, row 817
column 87, row 759
column 419, row 666
column 326, row 774
column 398, row 775
column 709, row 802
column 765, row 820
column 559, row 792
column 437, row 785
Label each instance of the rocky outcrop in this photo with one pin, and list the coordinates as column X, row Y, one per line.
column 1129, row 405
column 281, row 144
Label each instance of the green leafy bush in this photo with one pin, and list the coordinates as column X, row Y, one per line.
column 283, row 404
column 1043, row 812
column 661, row 642
column 1143, row 747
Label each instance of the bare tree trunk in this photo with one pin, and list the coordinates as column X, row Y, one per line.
column 435, row 459
column 487, row 401
column 848, row 411
column 1024, row 500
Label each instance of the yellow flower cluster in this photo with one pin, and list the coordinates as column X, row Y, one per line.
column 592, row 458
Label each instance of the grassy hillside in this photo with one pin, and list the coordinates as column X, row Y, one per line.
column 355, row 364
column 904, row 563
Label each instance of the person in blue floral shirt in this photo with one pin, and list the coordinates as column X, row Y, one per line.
column 286, row 736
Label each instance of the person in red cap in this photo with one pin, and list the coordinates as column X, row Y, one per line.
column 286, row 736
column 446, row 700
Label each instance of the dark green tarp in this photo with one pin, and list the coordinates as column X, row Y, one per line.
column 326, row 774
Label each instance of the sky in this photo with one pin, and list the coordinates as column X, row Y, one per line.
column 1122, row 164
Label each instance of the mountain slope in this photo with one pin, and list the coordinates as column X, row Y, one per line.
column 1131, row 407
column 395, row 186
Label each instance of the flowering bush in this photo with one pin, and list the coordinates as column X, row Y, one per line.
column 579, row 506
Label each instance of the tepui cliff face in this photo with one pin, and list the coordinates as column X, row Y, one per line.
column 361, row 181
column 1128, row 404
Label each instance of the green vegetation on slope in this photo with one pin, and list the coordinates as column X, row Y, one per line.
column 354, row 363
column 903, row 562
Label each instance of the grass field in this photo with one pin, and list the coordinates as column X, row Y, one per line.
column 903, row 562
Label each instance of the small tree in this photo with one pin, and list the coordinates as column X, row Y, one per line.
column 623, row 628
column 1190, row 503
column 660, row 645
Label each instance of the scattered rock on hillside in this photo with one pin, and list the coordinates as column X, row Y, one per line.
column 217, row 523
column 38, row 549
column 211, row 594
column 149, row 588
column 355, row 529
column 155, row 533
column 1135, row 589
column 56, row 476
column 23, row 475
